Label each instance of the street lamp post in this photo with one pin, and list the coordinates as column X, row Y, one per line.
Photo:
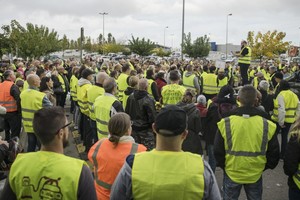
column 165, row 36
column 103, row 14
column 182, row 33
column 230, row 14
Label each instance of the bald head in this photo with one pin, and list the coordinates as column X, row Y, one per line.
column 109, row 85
column 33, row 80
column 143, row 84
column 101, row 76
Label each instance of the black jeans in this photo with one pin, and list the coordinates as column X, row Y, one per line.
column 244, row 73
column 32, row 142
column 13, row 124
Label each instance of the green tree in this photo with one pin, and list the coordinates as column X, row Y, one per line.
column 113, row 48
column 269, row 44
column 141, row 47
column 199, row 48
column 65, row 44
column 88, row 44
column 161, row 52
column 4, row 41
column 187, row 44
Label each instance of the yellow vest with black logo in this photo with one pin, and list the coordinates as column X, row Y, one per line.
column 48, row 175
column 31, row 101
column 246, row 140
column 172, row 94
column 176, row 175
column 291, row 103
column 122, row 85
column 221, row 83
column 188, row 82
column 82, row 98
column 92, row 93
column 247, row 58
column 296, row 177
column 73, row 87
column 210, row 84
column 102, row 109
column 61, row 80
column 149, row 90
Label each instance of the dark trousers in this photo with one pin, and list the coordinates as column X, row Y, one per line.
column 294, row 194
column 12, row 124
column 72, row 109
column 32, row 142
column 91, row 136
column 284, row 137
column 209, row 96
column 61, row 99
column 244, row 73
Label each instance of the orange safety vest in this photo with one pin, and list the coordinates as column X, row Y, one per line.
column 107, row 161
column 6, row 100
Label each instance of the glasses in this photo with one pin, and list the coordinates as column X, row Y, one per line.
column 68, row 124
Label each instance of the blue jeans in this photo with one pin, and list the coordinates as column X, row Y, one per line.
column 211, row 157
column 294, row 194
column 231, row 190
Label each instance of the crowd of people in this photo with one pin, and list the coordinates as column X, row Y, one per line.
column 145, row 126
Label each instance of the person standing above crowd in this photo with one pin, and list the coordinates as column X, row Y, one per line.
column 108, row 155
column 49, row 172
column 10, row 99
column 246, row 144
column 177, row 174
column 244, row 61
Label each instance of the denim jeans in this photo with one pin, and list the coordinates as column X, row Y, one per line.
column 231, row 190
column 211, row 157
column 294, row 194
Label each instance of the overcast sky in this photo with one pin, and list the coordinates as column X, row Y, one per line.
column 148, row 18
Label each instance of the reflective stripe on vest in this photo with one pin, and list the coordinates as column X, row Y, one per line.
column 122, row 85
column 133, row 150
column 247, row 58
column 31, row 101
column 82, row 98
column 102, row 108
column 92, row 93
column 222, row 83
column 210, row 84
column 61, row 80
column 6, row 100
column 296, row 177
column 167, row 175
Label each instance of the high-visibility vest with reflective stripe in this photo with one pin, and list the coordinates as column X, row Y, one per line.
column 149, row 90
column 221, row 83
column 296, row 177
column 188, row 82
column 50, row 176
column 125, row 98
column 252, row 73
column 255, row 82
column 247, row 58
column 73, row 87
column 61, row 80
column 92, row 93
column 31, row 101
column 102, row 108
column 291, row 103
column 246, row 140
column 122, row 85
column 6, row 100
column 82, row 98
column 175, row 175
column 210, row 84
column 108, row 159
column 172, row 94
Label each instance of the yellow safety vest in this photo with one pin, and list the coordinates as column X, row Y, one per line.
column 61, row 80
column 102, row 108
column 221, row 83
column 291, row 103
column 246, row 153
column 73, row 87
column 50, row 176
column 255, row 82
column 177, row 175
column 296, row 177
column 124, row 102
column 82, row 98
column 247, row 58
column 251, row 73
column 149, row 90
column 31, row 101
column 25, row 86
column 172, row 94
column 210, row 84
column 188, row 82
column 92, row 93
column 122, row 85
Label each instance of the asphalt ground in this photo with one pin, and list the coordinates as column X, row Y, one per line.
column 274, row 181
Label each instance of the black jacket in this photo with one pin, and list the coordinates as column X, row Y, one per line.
column 272, row 153
column 141, row 109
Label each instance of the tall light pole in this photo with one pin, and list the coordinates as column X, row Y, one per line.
column 182, row 33
column 103, row 14
column 230, row 14
column 165, row 36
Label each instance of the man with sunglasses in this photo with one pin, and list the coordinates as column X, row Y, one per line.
column 48, row 174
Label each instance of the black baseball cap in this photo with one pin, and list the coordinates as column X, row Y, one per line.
column 171, row 121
